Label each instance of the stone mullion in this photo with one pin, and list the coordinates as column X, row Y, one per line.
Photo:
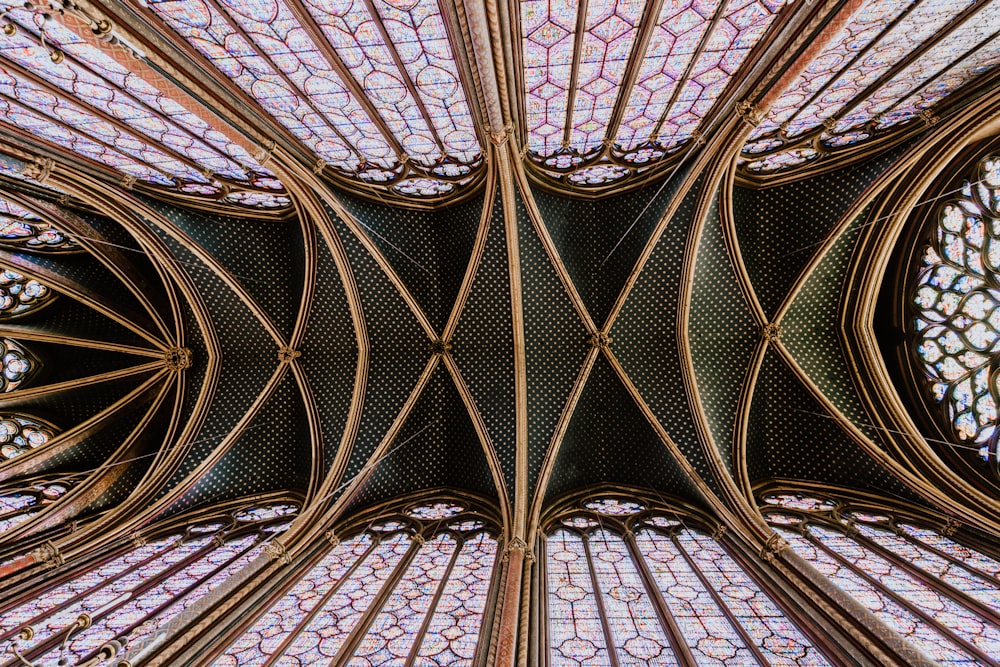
column 151, row 616
column 901, row 601
column 609, row 639
column 951, row 559
column 138, row 102
column 942, row 587
column 716, row 19
column 429, row 614
column 404, row 75
column 723, row 607
column 92, row 589
column 53, row 641
column 287, row 81
column 119, row 125
column 911, row 57
column 856, row 58
column 682, row 651
column 354, row 638
column 60, row 148
column 315, row 611
column 324, row 47
column 944, row 70
column 639, row 48
column 581, row 26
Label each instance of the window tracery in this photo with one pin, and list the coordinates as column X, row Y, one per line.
column 20, row 295
column 408, row 586
column 117, row 117
column 127, row 597
column 18, row 365
column 22, row 433
column 944, row 600
column 371, row 88
column 20, row 228
column 23, row 501
column 631, row 585
column 890, row 63
column 957, row 319
column 581, row 125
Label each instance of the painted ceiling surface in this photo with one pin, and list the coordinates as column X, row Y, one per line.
column 290, row 247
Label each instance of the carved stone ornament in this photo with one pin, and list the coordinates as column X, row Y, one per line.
column 517, row 544
column 774, row 545
column 138, row 540
column 719, row 531
column 439, row 346
column 177, row 358
column 771, row 332
column 750, row 114
column 599, row 339
column 950, row 527
column 128, row 181
column 319, row 166
column 39, row 169
column 928, row 117
column 48, row 554
column 264, row 153
column 287, row 354
column 275, row 550
column 332, row 538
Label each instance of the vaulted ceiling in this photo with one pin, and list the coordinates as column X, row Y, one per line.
column 346, row 251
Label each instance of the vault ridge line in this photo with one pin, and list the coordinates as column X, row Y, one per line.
column 478, row 248
column 14, row 331
column 538, row 224
column 72, row 290
column 484, row 437
column 35, row 460
column 320, row 515
column 108, row 199
column 690, row 178
column 105, row 253
column 718, row 505
column 507, row 193
column 310, row 278
column 916, row 483
column 13, row 398
column 729, row 141
column 555, row 444
column 307, row 199
column 210, row 262
column 744, row 407
column 312, row 181
column 150, row 513
column 99, row 480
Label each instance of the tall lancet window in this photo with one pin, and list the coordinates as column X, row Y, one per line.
column 407, row 588
column 128, row 596
column 940, row 595
column 631, row 585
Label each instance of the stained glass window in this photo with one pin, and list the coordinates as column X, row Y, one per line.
column 130, row 596
column 20, row 503
column 116, row 116
column 21, row 433
column 889, row 62
column 371, row 88
column 942, row 596
column 630, row 586
column 21, row 228
column 957, row 320
column 18, row 365
column 398, row 590
column 575, row 67
column 20, row 295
